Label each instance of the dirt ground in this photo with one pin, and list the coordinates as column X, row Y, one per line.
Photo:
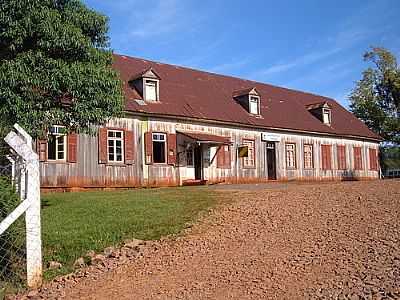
column 296, row 241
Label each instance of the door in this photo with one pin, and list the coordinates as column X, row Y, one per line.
column 198, row 174
column 271, row 161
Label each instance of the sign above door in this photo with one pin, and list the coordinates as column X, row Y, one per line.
column 270, row 137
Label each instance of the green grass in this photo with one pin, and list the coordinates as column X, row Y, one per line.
column 74, row 223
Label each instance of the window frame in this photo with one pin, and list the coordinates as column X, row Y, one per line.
column 244, row 165
column 165, row 147
column 326, row 111
column 254, row 98
column 146, row 84
column 294, row 156
column 115, row 139
column 56, row 135
column 312, row 156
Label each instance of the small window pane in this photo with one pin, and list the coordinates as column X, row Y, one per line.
column 61, row 155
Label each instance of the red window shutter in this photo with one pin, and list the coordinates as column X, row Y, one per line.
column 341, row 153
column 148, row 147
column 72, row 142
column 224, row 157
column 227, row 152
column 129, row 147
column 328, row 157
column 323, row 154
column 42, row 150
column 171, row 149
column 220, row 157
column 357, row 158
column 103, row 145
column 373, row 161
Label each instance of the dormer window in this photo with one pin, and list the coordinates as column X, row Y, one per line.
column 249, row 99
column 322, row 111
column 147, row 84
column 151, row 90
column 254, row 105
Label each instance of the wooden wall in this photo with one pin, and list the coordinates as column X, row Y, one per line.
column 87, row 172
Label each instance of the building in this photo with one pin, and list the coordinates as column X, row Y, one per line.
column 183, row 126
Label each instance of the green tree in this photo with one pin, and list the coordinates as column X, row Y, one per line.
column 376, row 97
column 55, row 66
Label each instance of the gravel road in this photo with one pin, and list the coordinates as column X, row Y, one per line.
column 336, row 240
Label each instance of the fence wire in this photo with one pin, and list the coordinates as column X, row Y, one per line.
column 13, row 240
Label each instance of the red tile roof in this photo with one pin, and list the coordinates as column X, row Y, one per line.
column 201, row 95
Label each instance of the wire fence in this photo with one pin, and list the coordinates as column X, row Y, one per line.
column 20, row 238
column 13, row 240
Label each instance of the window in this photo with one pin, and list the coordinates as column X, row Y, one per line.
column 254, row 105
column 56, row 144
column 159, row 146
column 341, row 157
column 326, row 116
column 290, row 156
column 326, row 155
column 357, row 158
column 249, row 161
column 373, row 159
column 115, row 141
column 308, row 157
column 151, row 92
column 189, row 157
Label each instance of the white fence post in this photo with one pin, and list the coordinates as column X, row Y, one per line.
column 21, row 143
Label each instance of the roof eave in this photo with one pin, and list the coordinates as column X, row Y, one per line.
column 171, row 116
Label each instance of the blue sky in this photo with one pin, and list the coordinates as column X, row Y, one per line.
column 309, row 45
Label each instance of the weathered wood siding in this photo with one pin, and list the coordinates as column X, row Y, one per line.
column 87, row 172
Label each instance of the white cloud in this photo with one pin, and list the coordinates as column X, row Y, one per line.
column 229, row 66
column 301, row 61
column 156, row 17
column 334, row 45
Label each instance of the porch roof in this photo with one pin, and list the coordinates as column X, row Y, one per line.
column 206, row 138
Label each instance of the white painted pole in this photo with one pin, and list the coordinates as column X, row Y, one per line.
column 33, row 225
column 22, row 145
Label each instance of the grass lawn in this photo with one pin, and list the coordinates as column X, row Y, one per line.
column 74, row 223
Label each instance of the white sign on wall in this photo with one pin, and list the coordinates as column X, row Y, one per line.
column 270, row 137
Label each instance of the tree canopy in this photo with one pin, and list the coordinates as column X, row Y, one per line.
column 376, row 97
column 55, row 66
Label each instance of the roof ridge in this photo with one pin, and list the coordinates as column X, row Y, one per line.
column 224, row 75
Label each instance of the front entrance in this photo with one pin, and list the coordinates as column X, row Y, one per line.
column 271, row 161
column 198, row 167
